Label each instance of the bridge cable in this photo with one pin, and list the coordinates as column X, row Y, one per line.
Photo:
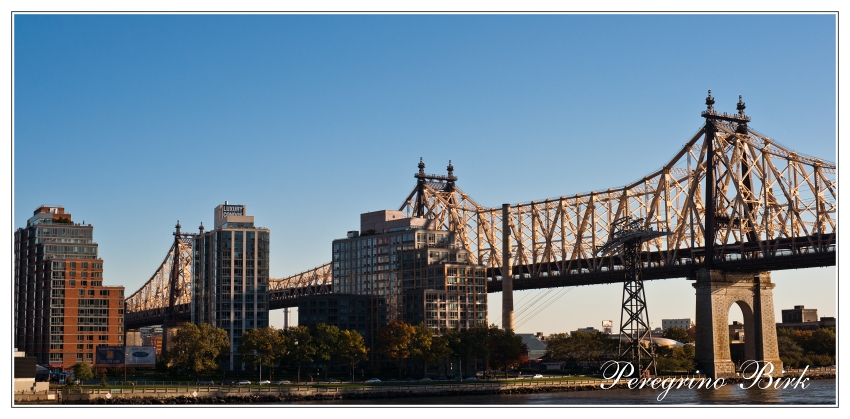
column 538, row 307
column 544, row 307
column 532, row 304
column 525, row 307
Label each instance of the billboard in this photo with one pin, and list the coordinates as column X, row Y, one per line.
column 109, row 356
column 140, row 356
column 135, row 356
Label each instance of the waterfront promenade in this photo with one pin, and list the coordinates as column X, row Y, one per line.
column 193, row 394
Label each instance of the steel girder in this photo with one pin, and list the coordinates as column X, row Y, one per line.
column 764, row 193
column 153, row 297
column 316, row 281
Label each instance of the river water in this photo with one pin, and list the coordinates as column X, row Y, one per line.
column 818, row 392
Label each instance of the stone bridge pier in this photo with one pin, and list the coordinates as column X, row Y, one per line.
column 716, row 292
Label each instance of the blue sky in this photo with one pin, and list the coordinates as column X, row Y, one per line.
column 132, row 122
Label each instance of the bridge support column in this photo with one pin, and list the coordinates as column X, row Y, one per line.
column 716, row 292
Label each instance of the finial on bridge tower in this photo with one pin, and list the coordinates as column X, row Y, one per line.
column 450, row 168
column 177, row 233
column 421, row 166
column 709, row 102
column 742, row 123
column 201, row 228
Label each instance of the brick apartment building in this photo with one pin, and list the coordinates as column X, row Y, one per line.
column 62, row 309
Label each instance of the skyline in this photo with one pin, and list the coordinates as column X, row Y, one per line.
column 182, row 112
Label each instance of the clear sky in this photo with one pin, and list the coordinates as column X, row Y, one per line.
column 132, row 122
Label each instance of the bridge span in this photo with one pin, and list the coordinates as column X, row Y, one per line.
column 736, row 204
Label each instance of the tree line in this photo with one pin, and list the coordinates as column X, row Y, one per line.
column 198, row 349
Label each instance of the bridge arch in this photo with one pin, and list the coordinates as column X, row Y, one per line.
column 717, row 292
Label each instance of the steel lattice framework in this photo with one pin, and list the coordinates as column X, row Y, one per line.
column 626, row 238
column 758, row 199
column 764, row 193
column 318, row 280
column 154, row 298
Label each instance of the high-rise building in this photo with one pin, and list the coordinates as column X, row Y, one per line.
column 410, row 271
column 231, row 276
column 62, row 309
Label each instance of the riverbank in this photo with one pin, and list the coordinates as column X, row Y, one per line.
column 300, row 395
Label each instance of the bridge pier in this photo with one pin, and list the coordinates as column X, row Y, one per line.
column 716, row 292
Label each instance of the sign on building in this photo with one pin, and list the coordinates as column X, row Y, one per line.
column 109, row 356
column 135, row 356
column 141, row 356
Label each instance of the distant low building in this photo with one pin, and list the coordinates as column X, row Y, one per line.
column 536, row 345
column 801, row 318
column 683, row 323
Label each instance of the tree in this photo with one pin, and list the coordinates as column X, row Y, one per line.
column 262, row 347
column 352, row 348
column 326, row 340
column 676, row 333
column 822, row 342
column 83, row 371
column 581, row 348
column 438, row 351
column 789, row 351
column 506, row 349
column 395, row 342
column 197, row 348
column 473, row 344
column 301, row 348
column 675, row 358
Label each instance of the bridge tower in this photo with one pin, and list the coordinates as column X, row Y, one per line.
column 717, row 290
column 177, row 277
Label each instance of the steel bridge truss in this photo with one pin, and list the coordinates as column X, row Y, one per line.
column 765, row 196
column 153, row 299
column 767, row 200
column 284, row 291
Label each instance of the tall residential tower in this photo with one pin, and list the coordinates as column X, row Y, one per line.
column 62, row 310
column 232, row 276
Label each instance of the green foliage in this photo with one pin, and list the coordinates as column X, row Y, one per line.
column 473, row 342
column 196, row 348
column 420, row 341
column 326, row 340
column 799, row 348
column 438, row 350
column 396, row 341
column 506, row 349
column 581, row 347
column 103, row 379
column 352, row 348
column 670, row 359
column 263, row 347
column 83, row 371
column 677, row 333
column 301, row 347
